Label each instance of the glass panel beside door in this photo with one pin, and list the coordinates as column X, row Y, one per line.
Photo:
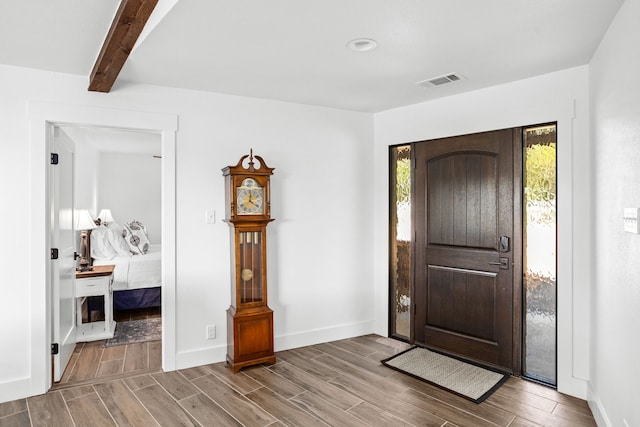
column 539, row 265
column 400, row 242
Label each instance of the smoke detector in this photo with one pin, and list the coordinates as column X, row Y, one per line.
column 440, row 80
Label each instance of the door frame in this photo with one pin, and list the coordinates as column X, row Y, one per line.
column 570, row 111
column 42, row 117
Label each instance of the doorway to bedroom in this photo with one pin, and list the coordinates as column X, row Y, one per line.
column 117, row 180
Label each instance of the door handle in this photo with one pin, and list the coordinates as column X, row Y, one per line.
column 76, row 255
column 503, row 263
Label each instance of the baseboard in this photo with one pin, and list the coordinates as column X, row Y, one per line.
column 595, row 404
column 317, row 336
column 201, row 356
column 205, row 356
column 15, row 389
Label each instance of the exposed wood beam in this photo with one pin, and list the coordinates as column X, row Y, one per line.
column 127, row 25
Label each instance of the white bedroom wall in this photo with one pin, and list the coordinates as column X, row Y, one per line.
column 320, row 245
column 560, row 96
column 129, row 185
column 86, row 177
column 615, row 97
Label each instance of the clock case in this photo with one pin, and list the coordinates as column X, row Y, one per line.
column 249, row 318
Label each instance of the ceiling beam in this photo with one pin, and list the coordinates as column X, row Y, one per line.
column 127, row 25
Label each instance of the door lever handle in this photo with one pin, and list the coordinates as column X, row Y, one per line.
column 503, row 263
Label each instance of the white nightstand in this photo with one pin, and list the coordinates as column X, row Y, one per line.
column 97, row 282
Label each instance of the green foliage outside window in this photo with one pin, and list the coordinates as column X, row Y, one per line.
column 540, row 185
column 403, row 181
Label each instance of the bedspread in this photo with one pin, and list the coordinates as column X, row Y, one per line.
column 136, row 271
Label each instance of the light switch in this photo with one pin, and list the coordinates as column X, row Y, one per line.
column 211, row 216
column 630, row 219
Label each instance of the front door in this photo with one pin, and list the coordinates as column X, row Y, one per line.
column 464, row 223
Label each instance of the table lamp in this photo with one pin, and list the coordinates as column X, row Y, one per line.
column 85, row 224
column 105, row 217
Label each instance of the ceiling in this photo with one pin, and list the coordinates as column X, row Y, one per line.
column 295, row 50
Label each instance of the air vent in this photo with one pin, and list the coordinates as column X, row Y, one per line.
column 440, row 80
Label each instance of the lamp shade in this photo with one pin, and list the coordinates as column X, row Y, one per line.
column 105, row 216
column 84, row 220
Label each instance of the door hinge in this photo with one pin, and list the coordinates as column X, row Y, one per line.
column 54, row 253
column 55, row 348
column 54, row 158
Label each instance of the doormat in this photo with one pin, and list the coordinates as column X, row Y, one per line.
column 462, row 378
column 135, row 331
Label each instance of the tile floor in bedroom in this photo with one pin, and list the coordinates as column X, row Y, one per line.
column 91, row 361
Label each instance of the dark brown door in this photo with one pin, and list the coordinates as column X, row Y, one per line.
column 464, row 238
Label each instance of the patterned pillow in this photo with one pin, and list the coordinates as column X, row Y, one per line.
column 135, row 236
column 135, row 224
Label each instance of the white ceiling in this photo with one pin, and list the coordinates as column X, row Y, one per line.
column 295, row 50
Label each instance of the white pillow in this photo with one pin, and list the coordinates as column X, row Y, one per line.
column 100, row 246
column 136, row 238
column 116, row 240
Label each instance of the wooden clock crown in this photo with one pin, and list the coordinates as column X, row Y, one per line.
column 251, row 170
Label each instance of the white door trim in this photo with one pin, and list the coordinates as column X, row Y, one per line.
column 42, row 115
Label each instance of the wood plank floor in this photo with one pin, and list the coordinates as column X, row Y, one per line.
column 340, row 383
column 91, row 361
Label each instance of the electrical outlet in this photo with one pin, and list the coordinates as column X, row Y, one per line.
column 210, row 216
column 211, row 332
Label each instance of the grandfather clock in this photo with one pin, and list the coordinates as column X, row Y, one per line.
column 248, row 211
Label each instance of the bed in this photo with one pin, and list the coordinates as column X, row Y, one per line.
column 137, row 278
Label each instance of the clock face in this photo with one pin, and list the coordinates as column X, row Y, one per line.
column 250, row 198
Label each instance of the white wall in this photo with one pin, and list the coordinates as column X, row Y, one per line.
column 561, row 97
column 320, row 245
column 86, row 177
column 615, row 322
column 129, row 185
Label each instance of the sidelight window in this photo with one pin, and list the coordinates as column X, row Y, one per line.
column 400, row 241
column 539, row 263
